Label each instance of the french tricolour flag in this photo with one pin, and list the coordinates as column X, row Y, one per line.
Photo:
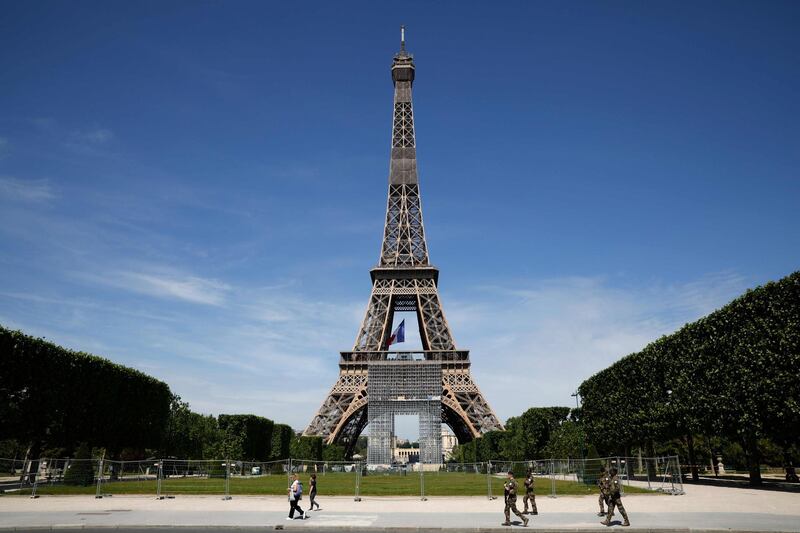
column 399, row 334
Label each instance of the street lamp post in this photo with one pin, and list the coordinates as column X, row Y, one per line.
column 577, row 395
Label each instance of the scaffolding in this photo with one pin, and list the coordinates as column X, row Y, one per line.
column 404, row 387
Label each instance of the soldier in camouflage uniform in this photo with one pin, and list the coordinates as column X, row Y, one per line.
column 511, row 501
column 529, row 495
column 602, row 484
column 615, row 500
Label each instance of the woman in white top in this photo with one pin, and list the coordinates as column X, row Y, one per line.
column 295, row 495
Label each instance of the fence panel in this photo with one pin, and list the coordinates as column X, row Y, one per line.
column 127, row 477
column 193, row 477
column 398, row 480
column 65, row 476
column 334, row 478
column 456, row 479
column 166, row 478
column 12, row 474
column 259, row 477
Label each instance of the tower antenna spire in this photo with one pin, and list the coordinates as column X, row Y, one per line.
column 402, row 37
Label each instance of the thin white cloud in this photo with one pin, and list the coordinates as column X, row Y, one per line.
column 93, row 136
column 25, row 190
column 191, row 289
column 170, row 285
column 533, row 343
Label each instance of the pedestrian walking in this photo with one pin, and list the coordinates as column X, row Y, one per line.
column 312, row 493
column 615, row 500
column 529, row 495
column 295, row 495
column 510, row 491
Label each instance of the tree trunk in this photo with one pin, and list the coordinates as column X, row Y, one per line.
column 714, row 468
column 628, row 468
column 692, row 458
column 33, row 466
column 651, row 461
column 753, row 460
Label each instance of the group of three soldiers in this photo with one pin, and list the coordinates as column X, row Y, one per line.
column 610, row 495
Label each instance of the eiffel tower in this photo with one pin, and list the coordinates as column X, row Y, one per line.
column 438, row 378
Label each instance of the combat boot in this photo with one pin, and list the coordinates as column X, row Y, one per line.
column 626, row 522
column 506, row 524
column 605, row 522
column 524, row 521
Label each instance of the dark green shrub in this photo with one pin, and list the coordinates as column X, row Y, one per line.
column 81, row 468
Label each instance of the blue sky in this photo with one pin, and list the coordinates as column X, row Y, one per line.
column 197, row 189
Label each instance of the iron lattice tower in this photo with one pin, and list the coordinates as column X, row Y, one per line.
column 403, row 280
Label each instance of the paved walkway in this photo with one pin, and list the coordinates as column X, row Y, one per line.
column 702, row 508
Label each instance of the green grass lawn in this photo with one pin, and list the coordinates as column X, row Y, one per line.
column 333, row 484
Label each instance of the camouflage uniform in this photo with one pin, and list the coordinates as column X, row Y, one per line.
column 529, row 495
column 615, row 500
column 603, row 483
column 511, row 502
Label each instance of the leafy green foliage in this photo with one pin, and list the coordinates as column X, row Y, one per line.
column 309, row 448
column 81, row 468
column 190, row 435
column 526, row 437
column 566, row 440
column 57, row 397
column 281, row 441
column 333, row 452
column 732, row 373
column 254, row 434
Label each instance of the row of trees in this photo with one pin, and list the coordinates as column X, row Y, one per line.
column 537, row 433
column 191, row 435
column 55, row 400
column 732, row 375
column 58, row 398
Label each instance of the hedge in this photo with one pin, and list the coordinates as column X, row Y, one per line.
column 57, row 398
column 256, row 432
column 281, row 441
column 733, row 373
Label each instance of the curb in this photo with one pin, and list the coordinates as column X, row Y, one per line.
column 359, row 529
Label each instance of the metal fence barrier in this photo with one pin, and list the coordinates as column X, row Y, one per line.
column 170, row 478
